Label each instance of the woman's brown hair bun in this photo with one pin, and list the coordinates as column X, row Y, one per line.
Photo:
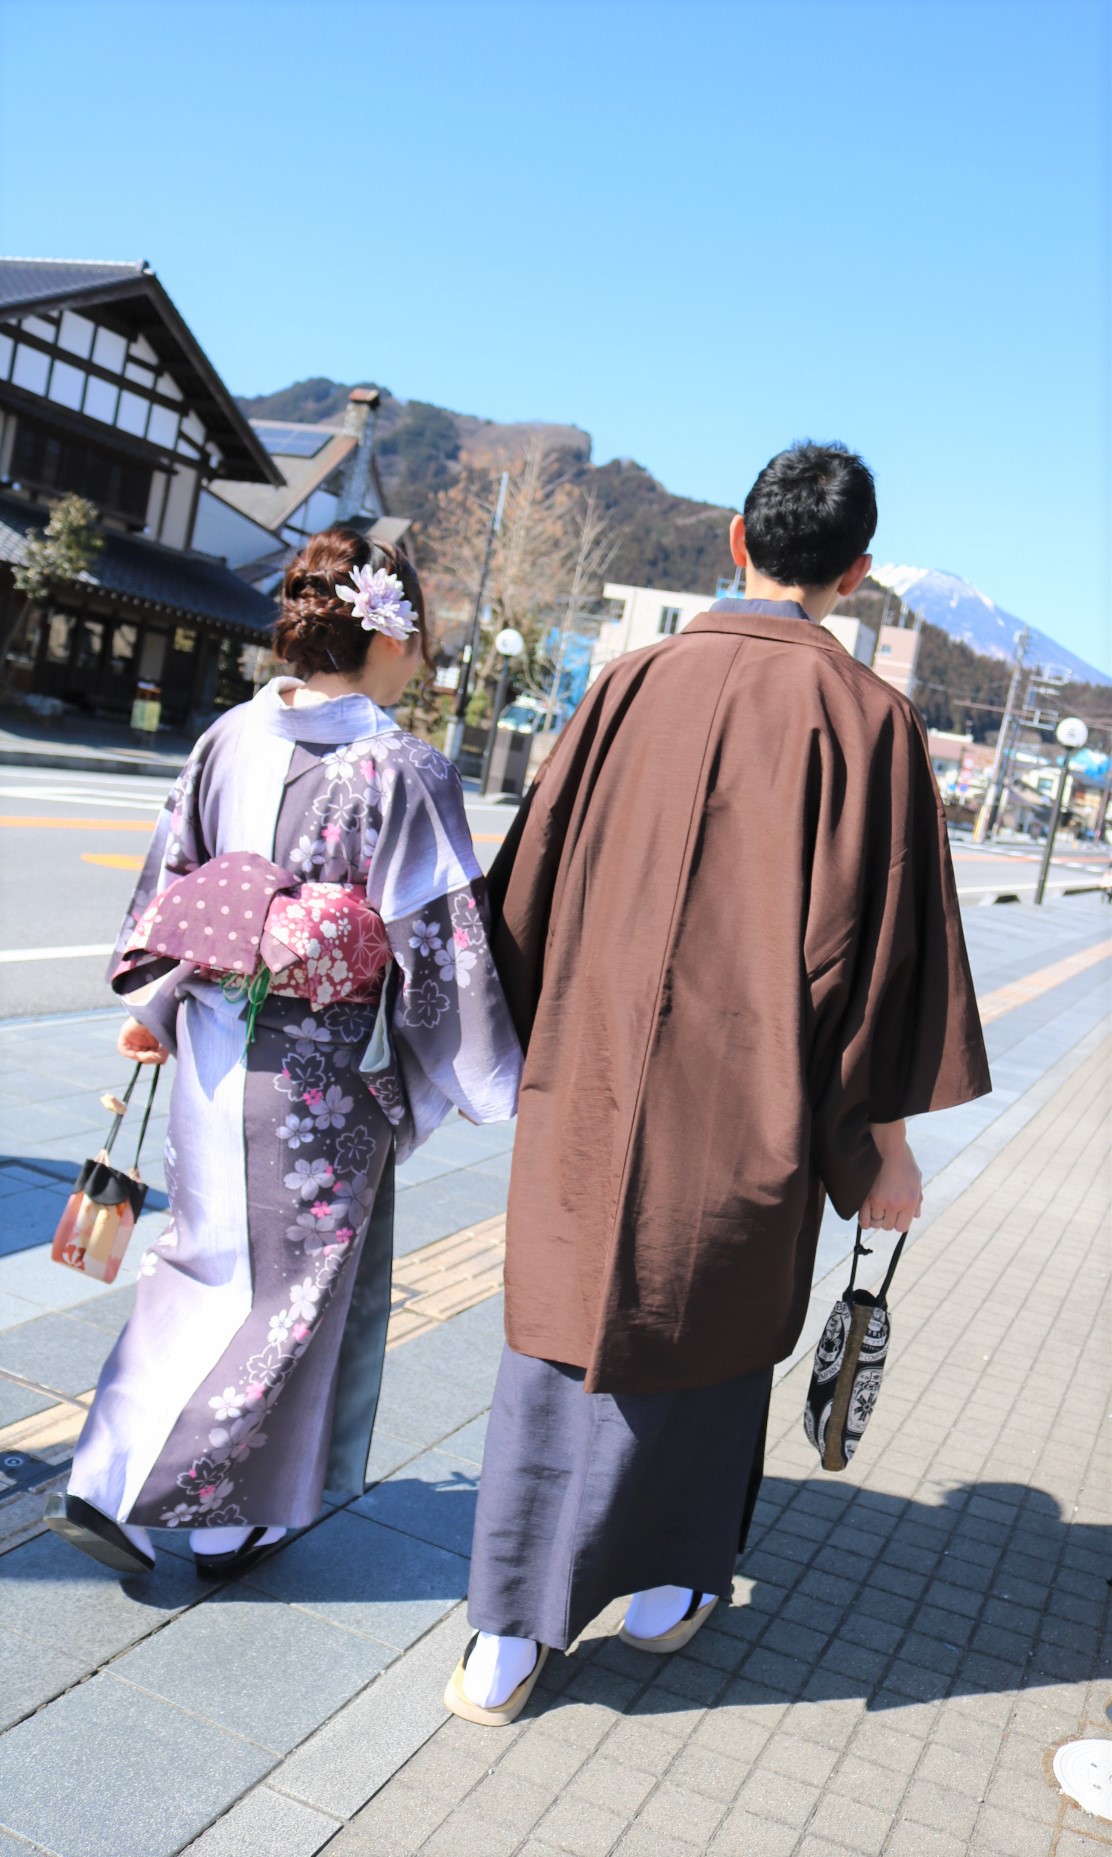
column 315, row 629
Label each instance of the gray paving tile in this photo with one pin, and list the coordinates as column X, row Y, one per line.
column 30, row 1674
column 438, row 1207
column 18, row 1402
column 61, row 1598
column 16, row 1309
column 468, row 1442
column 110, row 1312
column 57, row 1350
column 387, row 1454
column 27, row 1127
column 93, row 1775
column 434, row 1385
column 265, row 1824
column 497, row 1167
column 17, row 1177
column 433, row 1499
column 28, row 1083
column 34, row 1277
column 30, row 1216
column 267, row 1671
column 367, row 1578
column 354, row 1754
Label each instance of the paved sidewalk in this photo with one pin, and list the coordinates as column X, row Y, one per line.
column 937, row 1605
column 908, row 1643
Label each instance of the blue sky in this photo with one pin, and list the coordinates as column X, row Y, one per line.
column 698, row 231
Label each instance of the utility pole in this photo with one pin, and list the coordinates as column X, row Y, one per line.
column 454, row 738
column 1105, row 795
column 986, row 818
column 1073, row 734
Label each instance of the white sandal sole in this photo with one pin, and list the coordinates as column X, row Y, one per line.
column 673, row 1640
column 459, row 1703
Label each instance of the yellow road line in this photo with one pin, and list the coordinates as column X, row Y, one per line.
column 115, row 860
column 1020, row 992
column 79, row 825
column 147, row 825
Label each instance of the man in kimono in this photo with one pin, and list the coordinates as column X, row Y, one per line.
column 729, row 938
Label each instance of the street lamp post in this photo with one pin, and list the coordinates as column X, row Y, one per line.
column 509, row 645
column 1073, row 734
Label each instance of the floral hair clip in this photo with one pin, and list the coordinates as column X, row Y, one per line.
column 377, row 600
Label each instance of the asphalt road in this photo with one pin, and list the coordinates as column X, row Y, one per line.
column 70, row 848
column 71, row 845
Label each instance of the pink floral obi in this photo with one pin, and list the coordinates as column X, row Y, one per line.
column 238, row 915
column 323, row 942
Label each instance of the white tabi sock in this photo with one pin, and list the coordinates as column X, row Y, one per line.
column 495, row 1668
column 205, row 1541
column 653, row 1613
column 137, row 1536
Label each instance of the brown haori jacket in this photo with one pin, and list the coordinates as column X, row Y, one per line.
column 727, row 929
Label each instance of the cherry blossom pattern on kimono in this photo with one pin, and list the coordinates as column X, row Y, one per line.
column 328, row 1210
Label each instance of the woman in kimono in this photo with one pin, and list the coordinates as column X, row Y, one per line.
column 308, row 939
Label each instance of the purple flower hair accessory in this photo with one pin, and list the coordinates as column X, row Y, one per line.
column 378, row 602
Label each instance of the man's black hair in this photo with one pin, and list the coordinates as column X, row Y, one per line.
column 809, row 515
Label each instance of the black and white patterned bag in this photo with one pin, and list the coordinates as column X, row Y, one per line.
column 849, row 1362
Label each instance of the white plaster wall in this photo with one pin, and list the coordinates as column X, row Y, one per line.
column 638, row 623
column 857, row 638
column 179, row 506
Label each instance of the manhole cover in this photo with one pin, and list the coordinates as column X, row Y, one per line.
column 1083, row 1769
column 20, row 1470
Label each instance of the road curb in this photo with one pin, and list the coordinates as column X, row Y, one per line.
column 90, row 762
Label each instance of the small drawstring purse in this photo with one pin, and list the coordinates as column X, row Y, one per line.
column 100, row 1214
column 849, row 1364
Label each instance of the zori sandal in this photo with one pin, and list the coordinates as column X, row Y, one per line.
column 95, row 1534
column 680, row 1634
column 458, row 1701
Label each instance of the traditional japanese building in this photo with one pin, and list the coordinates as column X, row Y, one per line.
column 329, row 474
column 105, row 392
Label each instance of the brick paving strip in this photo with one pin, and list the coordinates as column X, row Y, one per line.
column 994, row 1005
column 429, row 1286
column 909, row 1642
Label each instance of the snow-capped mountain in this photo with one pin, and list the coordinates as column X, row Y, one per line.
column 962, row 610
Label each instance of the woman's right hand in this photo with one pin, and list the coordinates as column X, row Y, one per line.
column 141, row 1046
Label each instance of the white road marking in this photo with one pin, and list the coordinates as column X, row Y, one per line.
column 86, row 797
column 79, row 950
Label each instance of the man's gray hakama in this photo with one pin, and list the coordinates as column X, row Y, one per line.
column 588, row 1496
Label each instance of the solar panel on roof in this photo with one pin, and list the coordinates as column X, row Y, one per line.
column 292, row 441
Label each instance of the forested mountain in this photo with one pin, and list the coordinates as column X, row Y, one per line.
column 663, row 540
column 429, row 456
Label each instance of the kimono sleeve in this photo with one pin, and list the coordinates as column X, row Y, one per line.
column 176, row 848
column 897, row 1031
column 453, row 1037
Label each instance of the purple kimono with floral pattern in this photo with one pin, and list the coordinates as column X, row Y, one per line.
column 245, row 1381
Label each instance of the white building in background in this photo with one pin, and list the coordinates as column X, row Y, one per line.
column 858, row 638
column 649, row 614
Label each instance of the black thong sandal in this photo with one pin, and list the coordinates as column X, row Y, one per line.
column 95, row 1534
column 226, row 1566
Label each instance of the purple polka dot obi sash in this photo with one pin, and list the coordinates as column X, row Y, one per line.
column 241, row 917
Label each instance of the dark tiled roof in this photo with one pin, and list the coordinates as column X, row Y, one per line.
column 193, row 586
column 143, row 307
column 27, row 281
